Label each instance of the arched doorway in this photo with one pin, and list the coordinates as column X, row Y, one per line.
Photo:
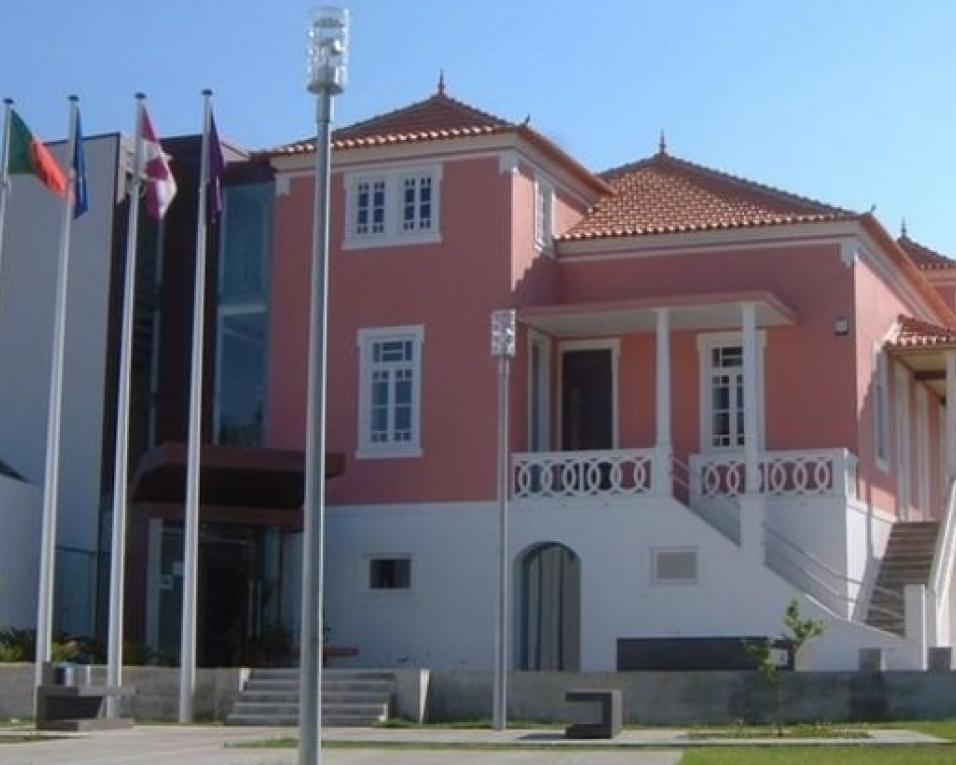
column 550, row 608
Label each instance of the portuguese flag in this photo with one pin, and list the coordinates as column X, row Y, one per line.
column 29, row 155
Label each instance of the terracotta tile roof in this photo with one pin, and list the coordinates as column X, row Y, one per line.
column 663, row 194
column 437, row 117
column 924, row 257
column 914, row 333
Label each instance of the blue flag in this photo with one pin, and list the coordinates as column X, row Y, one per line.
column 79, row 170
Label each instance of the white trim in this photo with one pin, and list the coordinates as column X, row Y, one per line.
column 393, row 235
column 904, row 485
column 881, row 409
column 706, row 342
column 544, row 194
column 922, row 453
column 612, row 344
column 365, row 338
column 543, row 342
column 448, row 150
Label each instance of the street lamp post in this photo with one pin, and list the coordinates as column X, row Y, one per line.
column 327, row 58
column 503, row 349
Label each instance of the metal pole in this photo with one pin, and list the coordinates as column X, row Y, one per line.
column 4, row 170
column 187, row 652
column 51, row 474
column 310, row 635
column 503, row 605
column 114, row 660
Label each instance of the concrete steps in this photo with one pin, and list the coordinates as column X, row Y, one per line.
column 352, row 697
column 908, row 560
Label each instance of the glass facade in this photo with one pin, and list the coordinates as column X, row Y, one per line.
column 243, row 320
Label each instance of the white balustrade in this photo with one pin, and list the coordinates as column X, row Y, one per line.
column 599, row 473
column 794, row 473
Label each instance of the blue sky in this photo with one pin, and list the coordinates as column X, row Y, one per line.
column 848, row 101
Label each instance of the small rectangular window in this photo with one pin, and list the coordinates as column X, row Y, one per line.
column 543, row 214
column 390, row 573
column 881, row 414
column 674, row 566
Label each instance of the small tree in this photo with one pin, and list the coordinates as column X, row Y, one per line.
column 798, row 633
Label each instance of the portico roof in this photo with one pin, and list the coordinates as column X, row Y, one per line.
column 922, row 346
column 714, row 311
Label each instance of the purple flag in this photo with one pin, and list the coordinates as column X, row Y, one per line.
column 216, row 166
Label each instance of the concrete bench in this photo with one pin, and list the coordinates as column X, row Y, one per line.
column 611, row 707
column 69, row 701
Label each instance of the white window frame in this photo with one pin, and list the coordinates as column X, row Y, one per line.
column 706, row 343
column 659, row 582
column 386, row 592
column 393, row 233
column 881, row 410
column 543, row 222
column 367, row 337
column 904, row 485
column 541, row 397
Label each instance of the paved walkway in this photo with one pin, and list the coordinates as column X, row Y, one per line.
column 211, row 745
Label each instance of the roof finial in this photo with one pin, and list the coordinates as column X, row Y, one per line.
column 903, row 228
column 441, row 82
column 662, row 144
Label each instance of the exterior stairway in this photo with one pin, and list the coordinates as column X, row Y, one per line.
column 907, row 560
column 350, row 697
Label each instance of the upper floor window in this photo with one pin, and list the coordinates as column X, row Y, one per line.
column 389, row 391
column 392, row 207
column 543, row 214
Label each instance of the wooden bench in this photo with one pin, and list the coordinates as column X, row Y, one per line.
column 610, row 705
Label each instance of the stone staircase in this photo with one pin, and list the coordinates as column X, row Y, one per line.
column 907, row 560
column 350, row 697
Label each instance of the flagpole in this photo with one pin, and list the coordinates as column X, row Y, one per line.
column 51, row 473
column 114, row 661
column 4, row 173
column 187, row 661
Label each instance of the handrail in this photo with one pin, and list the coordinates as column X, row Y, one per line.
column 723, row 505
column 837, row 575
column 944, row 555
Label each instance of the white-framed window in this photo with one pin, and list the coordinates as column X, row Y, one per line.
column 881, row 412
column 390, row 365
column 392, row 206
column 543, row 213
column 722, row 390
column 389, row 573
column 674, row 565
column 539, row 392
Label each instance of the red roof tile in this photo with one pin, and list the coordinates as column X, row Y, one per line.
column 924, row 257
column 663, row 194
column 914, row 333
column 439, row 116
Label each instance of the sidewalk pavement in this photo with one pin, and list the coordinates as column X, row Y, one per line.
column 216, row 745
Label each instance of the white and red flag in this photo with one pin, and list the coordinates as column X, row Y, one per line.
column 160, row 184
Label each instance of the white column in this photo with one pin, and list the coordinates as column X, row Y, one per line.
column 663, row 485
column 751, row 502
column 950, row 455
column 751, row 413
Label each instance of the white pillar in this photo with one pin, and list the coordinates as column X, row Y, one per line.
column 950, row 456
column 914, row 629
column 663, row 484
column 751, row 503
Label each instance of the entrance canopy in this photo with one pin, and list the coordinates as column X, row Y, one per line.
column 230, row 476
column 715, row 311
column 923, row 347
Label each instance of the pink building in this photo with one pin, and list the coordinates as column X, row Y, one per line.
column 724, row 395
